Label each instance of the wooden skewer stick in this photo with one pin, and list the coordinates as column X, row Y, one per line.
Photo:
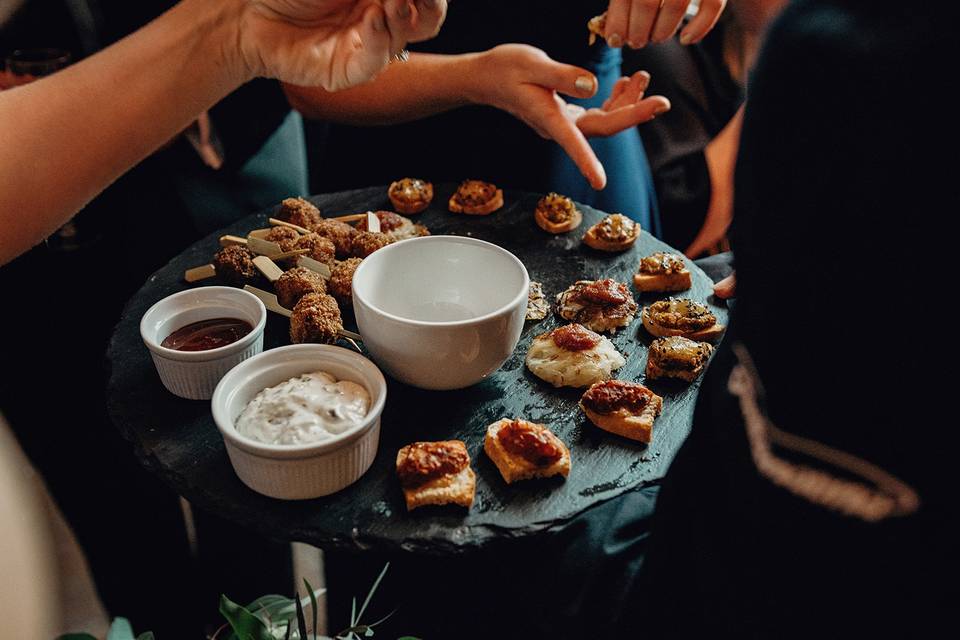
column 270, row 302
column 314, row 265
column 268, row 268
column 200, row 273
column 282, row 223
column 259, row 233
column 261, row 247
column 373, row 221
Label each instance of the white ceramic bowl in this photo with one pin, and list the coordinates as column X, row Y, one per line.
column 441, row 312
column 296, row 472
column 195, row 374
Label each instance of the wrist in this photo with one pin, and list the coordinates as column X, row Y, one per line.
column 473, row 77
column 221, row 26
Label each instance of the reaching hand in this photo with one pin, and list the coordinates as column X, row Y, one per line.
column 334, row 44
column 527, row 86
column 638, row 23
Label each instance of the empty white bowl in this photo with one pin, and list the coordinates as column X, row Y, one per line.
column 195, row 374
column 296, row 472
column 441, row 312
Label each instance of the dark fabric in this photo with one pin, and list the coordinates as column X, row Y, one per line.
column 703, row 98
column 129, row 524
column 569, row 583
column 838, row 165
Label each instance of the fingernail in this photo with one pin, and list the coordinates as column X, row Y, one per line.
column 633, row 44
column 614, row 40
column 685, row 38
column 585, row 84
column 661, row 110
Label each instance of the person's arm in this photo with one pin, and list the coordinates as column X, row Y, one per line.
column 66, row 137
column 721, row 158
column 519, row 79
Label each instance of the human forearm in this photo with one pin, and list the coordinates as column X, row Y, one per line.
column 77, row 131
column 423, row 86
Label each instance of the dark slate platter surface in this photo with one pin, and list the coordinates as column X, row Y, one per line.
column 178, row 440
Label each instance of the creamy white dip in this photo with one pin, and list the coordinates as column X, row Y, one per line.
column 309, row 408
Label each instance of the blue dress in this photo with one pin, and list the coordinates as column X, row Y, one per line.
column 629, row 187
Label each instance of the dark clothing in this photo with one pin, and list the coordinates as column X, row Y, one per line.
column 703, row 98
column 129, row 524
column 834, row 159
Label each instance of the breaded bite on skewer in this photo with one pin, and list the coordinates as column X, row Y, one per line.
column 366, row 242
column 296, row 283
column 235, row 265
column 340, row 233
column 319, row 248
column 340, row 284
column 316, row 318
column 299, row 212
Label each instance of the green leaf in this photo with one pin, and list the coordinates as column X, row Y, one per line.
column 353, row 611
column 373, row 590
column 313, row 605
column 120, row 630
column 246, row 625
column 301, row 621
column 146, row 636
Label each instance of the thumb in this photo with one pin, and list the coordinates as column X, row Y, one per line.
column 563, row 78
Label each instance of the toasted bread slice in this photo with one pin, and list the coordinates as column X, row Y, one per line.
column 514, row 467
column 489, row 206
column 410, row 195
column 552, row 227
column 709, row 334
column 456, row 489
column 663, row 282
column 677, row 357
column 635, row 426
column 623, row 423
column 593, row 238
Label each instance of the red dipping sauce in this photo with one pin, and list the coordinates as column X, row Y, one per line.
column 207, row 334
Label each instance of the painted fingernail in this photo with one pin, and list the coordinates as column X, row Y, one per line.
column 585, row 83
column 685, row 38
column 614, row 40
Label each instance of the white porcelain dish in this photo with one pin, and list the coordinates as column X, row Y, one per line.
column 195, row 374
column 297, row 472
column 441, row 312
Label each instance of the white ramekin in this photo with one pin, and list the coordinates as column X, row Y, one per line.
column 195, row 374
column 441, row 312
column 297, row 472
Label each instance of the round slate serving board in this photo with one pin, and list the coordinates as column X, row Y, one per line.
column 178, row 439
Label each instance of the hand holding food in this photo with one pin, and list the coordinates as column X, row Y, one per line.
column 573, row 356
column 524, row 450
column 637, row 23
column 334, row 44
